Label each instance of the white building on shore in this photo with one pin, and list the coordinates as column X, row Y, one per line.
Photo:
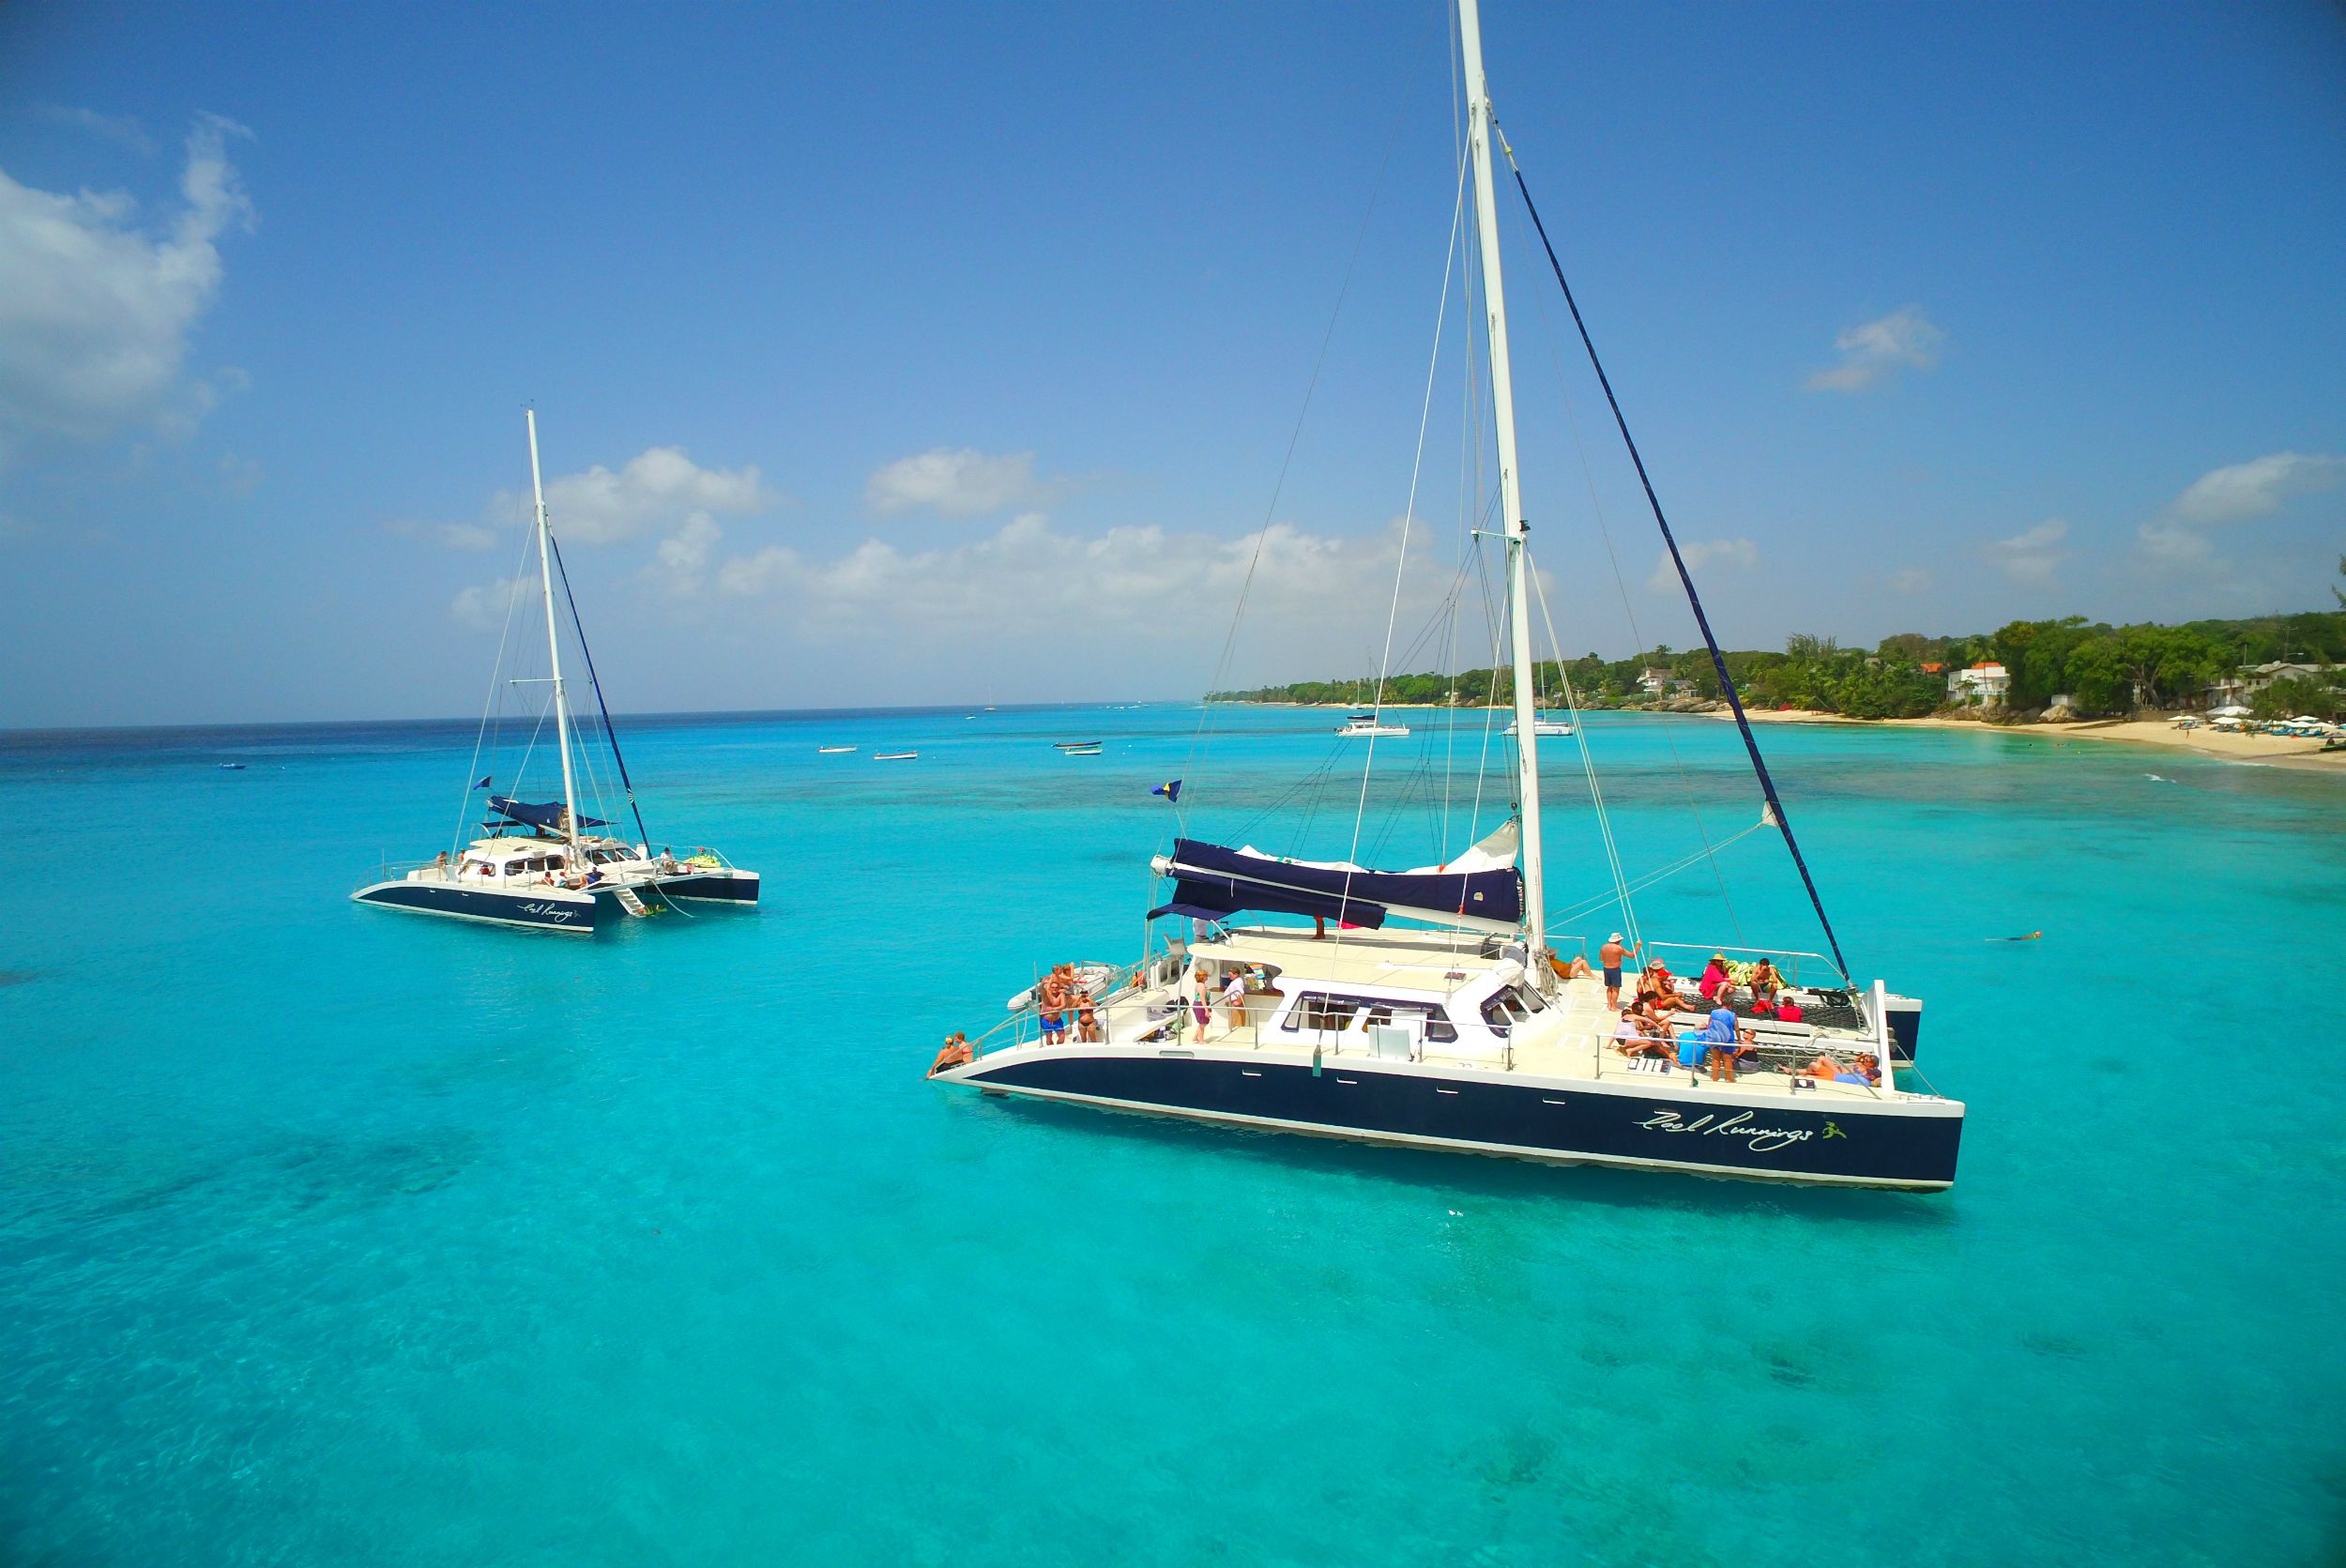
column 1983, row 685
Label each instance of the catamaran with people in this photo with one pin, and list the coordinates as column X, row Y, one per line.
column 1435, row 1008
column 546, row 864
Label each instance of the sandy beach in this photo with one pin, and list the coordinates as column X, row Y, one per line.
column 2271, row 751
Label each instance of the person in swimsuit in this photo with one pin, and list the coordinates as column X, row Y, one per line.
column 1086, row 1020
column 1613, row 955
column 1765, row 980
column 1866, row 1075
column 1052, row 1001
column 1715, row 982
column 1200, row 1004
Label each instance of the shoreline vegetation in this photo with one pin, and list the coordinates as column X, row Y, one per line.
column 2063, row 680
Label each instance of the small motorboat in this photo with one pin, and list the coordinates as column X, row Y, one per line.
column 1074, row 745
column 831, row 751
column 893, row 757
column 1092, row 750
column 230, row 767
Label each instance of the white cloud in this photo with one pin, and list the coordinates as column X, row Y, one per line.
column 656, row 489
column 962, row 483
column 2031, row 558
column 2254, row 488
column 1733, row 554
column 1909, row 580
column 1084, row 597
column 97, row 310
column 113, row 128
column 1903, row 339
column 684, row 555
column 2237, row 494
column 484, row 609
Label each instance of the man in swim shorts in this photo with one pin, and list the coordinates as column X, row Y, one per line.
column 1613, row 955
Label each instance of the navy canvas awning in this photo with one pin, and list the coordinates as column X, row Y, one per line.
column 548, row 815
column 1212, row 881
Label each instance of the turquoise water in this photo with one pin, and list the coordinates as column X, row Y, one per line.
column 331, row 1235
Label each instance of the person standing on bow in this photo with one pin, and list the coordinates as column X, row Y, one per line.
column 1612, row 955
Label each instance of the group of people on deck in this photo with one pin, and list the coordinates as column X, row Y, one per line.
column 1724, row 1040
column 1063, row 1006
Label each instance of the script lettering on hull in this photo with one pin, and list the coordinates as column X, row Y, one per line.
column 555, row 911
column 1758, row 1138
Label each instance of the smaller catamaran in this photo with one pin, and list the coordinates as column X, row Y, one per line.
column 546, row 865
column 1370, row 725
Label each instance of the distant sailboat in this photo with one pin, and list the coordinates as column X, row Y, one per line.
column 539, row 864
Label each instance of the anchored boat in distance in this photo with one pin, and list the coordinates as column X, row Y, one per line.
column 544, row 864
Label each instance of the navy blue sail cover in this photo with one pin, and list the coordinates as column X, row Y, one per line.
column 1212, row 879
column 548, row 815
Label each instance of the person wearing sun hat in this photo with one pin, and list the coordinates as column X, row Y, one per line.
column 1714, row 983
column 1613, row 955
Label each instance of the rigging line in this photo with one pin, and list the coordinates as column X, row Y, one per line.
column 1648, row 879
column 490, row 705
column 596, row 681
column 1620, row 590
column 1409, row 515
column 1202, row 736
column 1718, row 660
column 1588, row 763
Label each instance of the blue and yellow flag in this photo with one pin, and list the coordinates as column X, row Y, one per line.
column 1170, row 791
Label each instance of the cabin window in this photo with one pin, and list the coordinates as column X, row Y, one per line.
column 1317, row 1009
column 1437, row 1028
column 1503, row 1011
column 1530, row 997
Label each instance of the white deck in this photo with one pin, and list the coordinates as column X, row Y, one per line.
column 1572, row 1039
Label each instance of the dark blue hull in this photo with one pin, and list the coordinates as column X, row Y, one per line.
column 717, row 887
column 1657, row 1124
column 530, row 911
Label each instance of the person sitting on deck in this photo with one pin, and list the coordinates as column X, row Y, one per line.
column 1765, row 980
column 1787, row 1009
column 667, row 859
column 1638, row 1036
column 1866, row 1075
column 1658, row 988
column 1715, row 981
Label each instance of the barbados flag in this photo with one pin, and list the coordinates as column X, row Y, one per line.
column 1170, row 791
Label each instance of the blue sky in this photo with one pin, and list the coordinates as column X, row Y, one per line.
column 950, row 354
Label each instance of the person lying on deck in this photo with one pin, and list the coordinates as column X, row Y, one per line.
column 1866, row 1075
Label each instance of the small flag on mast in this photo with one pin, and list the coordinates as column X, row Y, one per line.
column 1170, row 791
column 482, row 784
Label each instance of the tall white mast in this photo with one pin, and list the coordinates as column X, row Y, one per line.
column 1479, row 135
column 554, row 647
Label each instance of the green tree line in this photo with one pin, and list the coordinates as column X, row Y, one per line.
column 2103, row 670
